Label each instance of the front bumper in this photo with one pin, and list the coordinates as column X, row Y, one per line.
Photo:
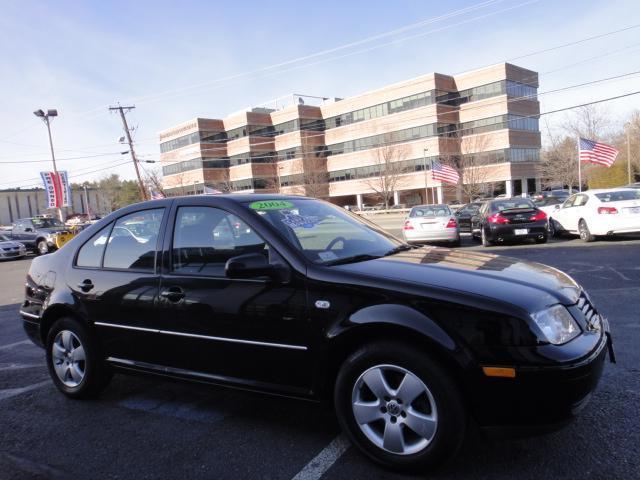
column 538, row 399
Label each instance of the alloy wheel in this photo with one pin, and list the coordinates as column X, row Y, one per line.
column 68, row 356
column 394, row 409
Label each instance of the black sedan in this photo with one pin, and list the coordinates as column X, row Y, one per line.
column 509, row 219
column 465, row 214
column 298, row 297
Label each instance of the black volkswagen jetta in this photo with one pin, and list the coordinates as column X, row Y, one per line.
column 298, row 297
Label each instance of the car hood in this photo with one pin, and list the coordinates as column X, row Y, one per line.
column 53, row 229
column 9, row 244
column 526, row 284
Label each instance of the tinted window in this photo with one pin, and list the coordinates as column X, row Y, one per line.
column 569, row 202
column 204, row 238
column 511, row 204
column 133, row 240
column 90, row 255
column 47, row 222
column 618, row 196
column 431, row 211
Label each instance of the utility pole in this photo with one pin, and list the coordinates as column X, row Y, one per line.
column 628, row 151
column 127, row 132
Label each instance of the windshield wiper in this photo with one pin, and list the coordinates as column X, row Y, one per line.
column 361, row 257
column 398, row 249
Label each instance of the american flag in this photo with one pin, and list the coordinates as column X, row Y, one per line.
column 444, row 173
column 155, row 195
column 596, row 152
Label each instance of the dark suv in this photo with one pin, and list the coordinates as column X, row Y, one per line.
column 40, row 234
column 298, row 297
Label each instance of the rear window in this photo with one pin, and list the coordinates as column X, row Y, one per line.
column 431, row 211
column 619, row 196
column 510, row 204
column 545, row 202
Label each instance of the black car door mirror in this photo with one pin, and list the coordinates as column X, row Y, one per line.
column 249, row 265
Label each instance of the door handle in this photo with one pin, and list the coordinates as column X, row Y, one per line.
column 86, row 285
column 173, row 294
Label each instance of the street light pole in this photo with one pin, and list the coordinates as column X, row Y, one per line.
column 45, row 118
column 628, row 152
column 424, row 169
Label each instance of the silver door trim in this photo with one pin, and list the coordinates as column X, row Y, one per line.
column 204, row 337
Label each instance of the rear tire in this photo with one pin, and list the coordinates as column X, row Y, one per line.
column 415, row 394
column 74, row 359
column 551, row 228
column 584, row 232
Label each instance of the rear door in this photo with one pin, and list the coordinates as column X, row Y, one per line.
column 564, row 216
column 115, row 281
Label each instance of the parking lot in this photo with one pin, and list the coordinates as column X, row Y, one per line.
column 146, row 428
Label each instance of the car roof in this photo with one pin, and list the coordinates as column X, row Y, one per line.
column 606, row 190
column 431, row 205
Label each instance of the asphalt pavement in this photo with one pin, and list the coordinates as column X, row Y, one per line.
column 147, row 428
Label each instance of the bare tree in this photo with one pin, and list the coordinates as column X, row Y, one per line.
column 315, row 177
column 389, row 169
column 152, row 181
column 591, row 121
column 560, row 163
column 471, row 166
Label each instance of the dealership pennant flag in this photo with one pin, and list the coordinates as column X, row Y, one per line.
column 57, row 189
column 444, row 173
column 597, row 153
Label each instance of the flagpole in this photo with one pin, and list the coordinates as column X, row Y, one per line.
column 579, row 169
column 433, row 192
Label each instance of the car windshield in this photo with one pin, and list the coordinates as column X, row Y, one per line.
column 618, row 196
column 324, row 233
column 46, row 222
column 430, row 211
column 511, row 204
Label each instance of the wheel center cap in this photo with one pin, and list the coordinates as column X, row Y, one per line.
column 393, row 408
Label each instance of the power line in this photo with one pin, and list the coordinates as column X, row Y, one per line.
column 63, row 159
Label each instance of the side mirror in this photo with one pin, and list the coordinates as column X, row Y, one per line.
column 557, row 207
column 28, row 229
column 249, row 265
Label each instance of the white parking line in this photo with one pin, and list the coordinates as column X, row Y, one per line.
column 20, row 366
column 12, row 392
column 323, row 461
column 11, row 345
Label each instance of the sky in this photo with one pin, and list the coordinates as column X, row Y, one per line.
column 179, row 60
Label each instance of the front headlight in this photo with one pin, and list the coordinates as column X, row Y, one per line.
column 556, row 325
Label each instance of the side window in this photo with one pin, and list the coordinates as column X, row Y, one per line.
column 90, row 254
column 581, row 200
column 569, row 202
column 204, row 238
column 133, row 240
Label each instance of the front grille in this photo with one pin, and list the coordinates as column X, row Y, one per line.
column 590, row 313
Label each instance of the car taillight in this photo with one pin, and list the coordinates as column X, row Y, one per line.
column 407, row 225
column 497, row 218
column 538, row 216
column 452, row 223
column 607, row 210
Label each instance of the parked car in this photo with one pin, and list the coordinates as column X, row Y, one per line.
column 560, row 193
column 598, row 213
column 409, row 344
column 548, row 206
column 10, row 248
column 508, row 219
column 633, row 185
column 464, row 215
column 40, row 234
column 431, row 223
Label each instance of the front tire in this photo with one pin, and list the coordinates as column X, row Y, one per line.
column 485, row 241
column 74, row 360
column 400, row 407
column 42, row 247
column 585, row 234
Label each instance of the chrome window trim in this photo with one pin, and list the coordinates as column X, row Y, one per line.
column 203, row 337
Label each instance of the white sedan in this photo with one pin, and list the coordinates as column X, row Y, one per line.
column 11, row 249
column 597, row 212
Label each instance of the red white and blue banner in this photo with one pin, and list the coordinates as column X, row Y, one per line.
column 57, row 188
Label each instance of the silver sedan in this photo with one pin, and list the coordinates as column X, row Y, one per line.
column 431, row 223
column 11, row 249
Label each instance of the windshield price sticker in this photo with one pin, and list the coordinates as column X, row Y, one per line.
column 270, row 205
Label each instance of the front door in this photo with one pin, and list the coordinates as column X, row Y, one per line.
column 115, row 283
column 250, row 331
